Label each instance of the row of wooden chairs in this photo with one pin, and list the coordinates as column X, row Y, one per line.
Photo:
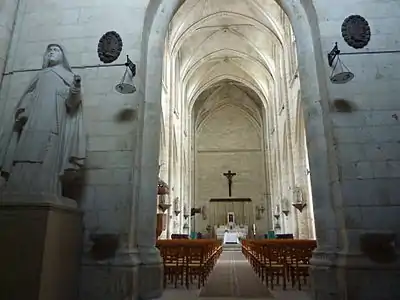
column 280, row 261
column 188, row 260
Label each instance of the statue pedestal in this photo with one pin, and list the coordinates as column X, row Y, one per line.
column 40, row 248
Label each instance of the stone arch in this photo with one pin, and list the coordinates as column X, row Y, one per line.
column 312, row 75
column 260, row 93
column 268, row 65
column 245, row 113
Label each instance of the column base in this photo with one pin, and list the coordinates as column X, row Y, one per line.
column 151, row 274
column 40, row 254
column 353, row 277
column 112, row 279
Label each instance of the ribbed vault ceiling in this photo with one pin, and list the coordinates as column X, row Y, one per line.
column 228, row 43
column 227, row 92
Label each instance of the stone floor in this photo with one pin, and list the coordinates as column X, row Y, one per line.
column 233, row 278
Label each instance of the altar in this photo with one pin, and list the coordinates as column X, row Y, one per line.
column 231, row 238
column 231, row 232
column 229, row 215
column 241, row 231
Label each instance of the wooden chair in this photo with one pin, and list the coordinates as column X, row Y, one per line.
column 185, row 260
column 274, row 262
column 279, row 261
column 174, row 263
column 300, row 256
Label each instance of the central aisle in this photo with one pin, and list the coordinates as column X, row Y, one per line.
column 233, row 277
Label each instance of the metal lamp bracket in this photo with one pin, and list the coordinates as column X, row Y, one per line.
column 332, row 55
column 131, row 66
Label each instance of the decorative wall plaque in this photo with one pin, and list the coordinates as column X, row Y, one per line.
column 356, row 31
column 109, row 47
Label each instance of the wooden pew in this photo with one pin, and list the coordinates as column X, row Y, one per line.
column 276, row 260
column 186, row 260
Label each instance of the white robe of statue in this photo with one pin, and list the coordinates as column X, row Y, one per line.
column 47, row 143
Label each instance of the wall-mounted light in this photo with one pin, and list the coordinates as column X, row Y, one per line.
column 300, row 206
column 299, row 201
column 277, row 212
column 340, row 73
column 177, row 208
column 185, row 211
column 285, row 206
column 126, row 85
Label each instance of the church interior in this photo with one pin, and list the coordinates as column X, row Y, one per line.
column 164, row 149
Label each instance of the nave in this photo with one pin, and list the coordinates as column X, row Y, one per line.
column 230, row 271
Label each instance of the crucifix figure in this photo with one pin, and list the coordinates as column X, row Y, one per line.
column 229, row 175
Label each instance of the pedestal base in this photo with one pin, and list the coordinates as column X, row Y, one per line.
column 151, row 274
column 354, row 277
column 108, row 281
column 40, row 250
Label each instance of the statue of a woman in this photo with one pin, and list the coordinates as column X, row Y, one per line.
column 47, row 143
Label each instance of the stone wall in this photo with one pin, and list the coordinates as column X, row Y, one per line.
column 8, row 9
column 111, row 176
column 367, row 138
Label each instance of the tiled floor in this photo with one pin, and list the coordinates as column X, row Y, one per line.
column 242, row 282
column 183, row 294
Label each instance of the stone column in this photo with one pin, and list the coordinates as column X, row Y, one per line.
column 150, row 272
column 325, row 283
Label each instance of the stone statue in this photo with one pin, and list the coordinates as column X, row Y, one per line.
column 47, row 144
column 298, row 195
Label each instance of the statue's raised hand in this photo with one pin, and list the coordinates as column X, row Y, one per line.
column 76, row 85
column 77, row 80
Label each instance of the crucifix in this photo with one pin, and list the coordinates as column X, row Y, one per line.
column 229, row 175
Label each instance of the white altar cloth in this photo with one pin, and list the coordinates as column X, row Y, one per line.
column 240, row 230
column 231, row 238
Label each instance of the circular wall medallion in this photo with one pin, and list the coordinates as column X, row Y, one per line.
column 109, row 47
column 356, row 31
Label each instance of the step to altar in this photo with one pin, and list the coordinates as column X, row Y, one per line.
column 232, row 247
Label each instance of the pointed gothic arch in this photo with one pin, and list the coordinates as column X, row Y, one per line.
column 314, row 98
